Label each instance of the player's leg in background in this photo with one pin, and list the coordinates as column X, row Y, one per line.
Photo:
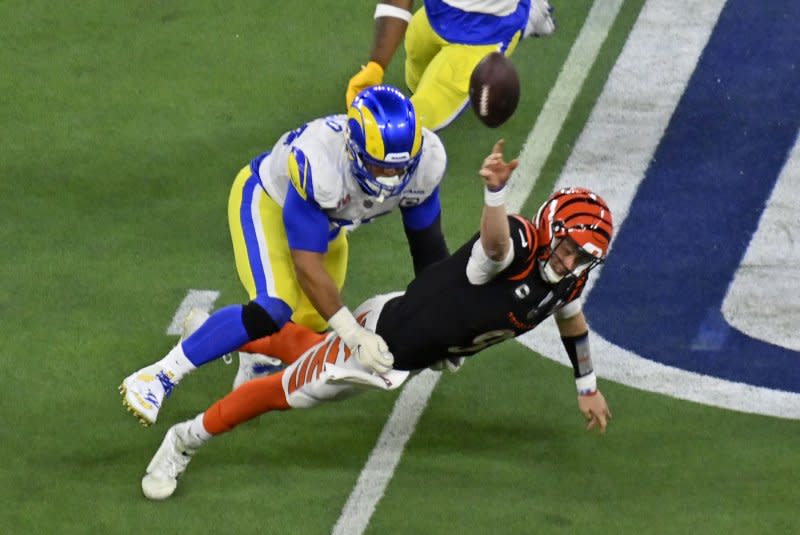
column 300, row 385
column 287, row 345
column 443, row 90
column 421, row 46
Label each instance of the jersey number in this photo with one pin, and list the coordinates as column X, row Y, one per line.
column 482, row 341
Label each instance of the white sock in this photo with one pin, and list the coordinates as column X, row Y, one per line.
column 197, row 431
column 177, row 363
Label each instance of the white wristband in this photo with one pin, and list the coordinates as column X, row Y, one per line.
column 587, row 385
column 344, row 323
column 494, row 198
column 386, row 10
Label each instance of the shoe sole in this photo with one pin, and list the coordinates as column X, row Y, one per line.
column 131, row 409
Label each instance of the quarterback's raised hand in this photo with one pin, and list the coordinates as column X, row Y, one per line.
column 369, row 349
column 495, row 170
column 595, row 410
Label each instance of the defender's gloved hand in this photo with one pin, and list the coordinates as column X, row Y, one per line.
column 369, row 349
column 369, row 75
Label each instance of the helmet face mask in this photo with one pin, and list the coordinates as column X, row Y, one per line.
column 575, row 228
column 384, row 141
column 567, row 259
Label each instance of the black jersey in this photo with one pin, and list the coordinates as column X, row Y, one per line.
column 443, row 315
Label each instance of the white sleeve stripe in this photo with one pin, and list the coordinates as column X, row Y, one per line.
column 481, row 269
column 386, row 10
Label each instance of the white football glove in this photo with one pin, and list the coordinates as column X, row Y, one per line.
column 369, row 348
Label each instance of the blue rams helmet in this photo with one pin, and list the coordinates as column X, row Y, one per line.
column 383, row 131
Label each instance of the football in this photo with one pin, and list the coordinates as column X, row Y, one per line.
column 494, row 89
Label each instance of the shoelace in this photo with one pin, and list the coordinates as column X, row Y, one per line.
column 166, row 383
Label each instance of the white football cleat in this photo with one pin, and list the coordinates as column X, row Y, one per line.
column 169, row 462
column 253, row 366
column 143, row 392
column 540, row 20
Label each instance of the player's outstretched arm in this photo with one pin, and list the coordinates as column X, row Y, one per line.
column 574, row 333
column 391, row 20
column 595, row 410
column 496, row 173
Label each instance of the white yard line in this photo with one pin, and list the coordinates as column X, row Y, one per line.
column 386, row 454
column 202, row 299
column 413, row 399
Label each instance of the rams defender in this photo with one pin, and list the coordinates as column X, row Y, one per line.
column 289, row 213
column 501, row 283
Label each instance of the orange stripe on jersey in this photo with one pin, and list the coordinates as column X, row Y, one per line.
column 317, row 363
column 333, row 351
column 298, row 376
column 314, row 363
column 531, row 238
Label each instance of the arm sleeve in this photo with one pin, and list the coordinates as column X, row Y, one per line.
column 305, row 222
column 427, row 245
column 424, row 214
column 579, row 356
column 481, row 269
column 423, row 226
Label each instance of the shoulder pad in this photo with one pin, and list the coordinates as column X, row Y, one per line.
column 300, row 174
column 321, row 149
column 432, row 163
column 524, row 241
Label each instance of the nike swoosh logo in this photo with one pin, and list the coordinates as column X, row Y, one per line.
column 522, row 238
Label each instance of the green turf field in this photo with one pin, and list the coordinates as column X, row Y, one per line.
column 124, row 124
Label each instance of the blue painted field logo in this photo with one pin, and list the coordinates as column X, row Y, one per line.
column 689, row 166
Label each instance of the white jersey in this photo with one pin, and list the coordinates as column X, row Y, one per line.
column 323, row 145
column 500, row 8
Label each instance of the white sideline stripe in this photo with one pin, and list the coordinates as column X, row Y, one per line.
column 632, row 113
column 409, row 406
column 554, row 112
column 202, row 299
column 386, row 454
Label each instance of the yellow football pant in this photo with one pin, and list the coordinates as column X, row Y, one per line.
column 438, row 72
column 261, row 249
